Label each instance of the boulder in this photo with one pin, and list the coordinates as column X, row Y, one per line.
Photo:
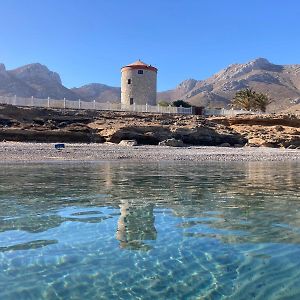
column 128, row 143
column 172, row 143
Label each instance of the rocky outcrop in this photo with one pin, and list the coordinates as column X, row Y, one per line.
column 265, row 130
column 46, row 125
column 32, row 124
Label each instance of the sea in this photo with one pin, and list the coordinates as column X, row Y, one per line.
column 150, row 230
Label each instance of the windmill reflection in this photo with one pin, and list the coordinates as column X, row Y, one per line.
column 135, row 226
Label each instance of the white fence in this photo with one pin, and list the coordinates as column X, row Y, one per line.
column 227, row 112
column 93, row 105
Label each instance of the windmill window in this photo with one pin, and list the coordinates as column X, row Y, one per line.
column 140, row 72
column 131, row 101
column 129, row 81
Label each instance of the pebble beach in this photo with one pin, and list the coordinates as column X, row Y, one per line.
column 46, row 152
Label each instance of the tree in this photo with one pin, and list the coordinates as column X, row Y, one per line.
column 261, row 102
column 179, row 103
column 244, row 99
column 249, row 99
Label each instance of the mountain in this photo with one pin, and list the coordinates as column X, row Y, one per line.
column 280, row 82
column 99, row 92
column 38, row 81
column 33, row 80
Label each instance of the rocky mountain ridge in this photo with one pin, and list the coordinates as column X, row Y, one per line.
column 280, row 82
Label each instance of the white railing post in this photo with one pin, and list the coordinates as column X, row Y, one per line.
column 146, row 107
column 79, row 104
column 158, row 107
column 48, row 104
column 64, row 103
column 94, row 105
column 134, row 106
column 31, row 100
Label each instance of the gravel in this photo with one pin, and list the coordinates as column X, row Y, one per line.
column 30, row 152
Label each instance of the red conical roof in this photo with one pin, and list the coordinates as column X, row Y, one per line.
column 139, row 65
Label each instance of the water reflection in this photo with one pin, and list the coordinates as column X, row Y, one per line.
column 238, row 194
column 135, row 225
column 151, row 230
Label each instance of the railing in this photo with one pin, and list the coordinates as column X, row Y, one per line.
column 92, row 105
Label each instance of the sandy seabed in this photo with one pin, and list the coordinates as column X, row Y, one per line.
column 30, row 152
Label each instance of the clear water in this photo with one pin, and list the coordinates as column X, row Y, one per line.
column 150, row 231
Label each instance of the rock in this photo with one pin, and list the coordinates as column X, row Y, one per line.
column 291, row 147
column 238, row 145
column 225, row 145
column 128, row 143
column 279, row 128
column 172, row 143
column 269, row 145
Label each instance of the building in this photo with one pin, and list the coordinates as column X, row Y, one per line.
column 138, row 84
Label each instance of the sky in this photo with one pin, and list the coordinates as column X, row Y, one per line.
column 89, row 41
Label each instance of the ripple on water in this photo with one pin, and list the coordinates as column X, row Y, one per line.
column 150, row 231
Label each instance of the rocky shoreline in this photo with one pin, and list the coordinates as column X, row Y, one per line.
column 73, row 126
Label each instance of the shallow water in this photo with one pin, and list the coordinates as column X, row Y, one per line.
column 150, row 231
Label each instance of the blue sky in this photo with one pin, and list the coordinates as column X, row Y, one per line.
column 88, row 41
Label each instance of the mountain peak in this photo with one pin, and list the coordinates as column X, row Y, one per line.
column 187, row 84
column 36, row 71
column 260, row 63
column 260, row 60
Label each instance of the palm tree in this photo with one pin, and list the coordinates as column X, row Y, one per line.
column 244, row 99
column 261, row 102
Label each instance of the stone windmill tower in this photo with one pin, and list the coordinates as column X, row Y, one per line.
column 138, row 84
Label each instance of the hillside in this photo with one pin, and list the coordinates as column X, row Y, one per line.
column 281, row 82
column 99, row 92
column 38, row 81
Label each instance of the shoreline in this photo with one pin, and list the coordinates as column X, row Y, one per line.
column 45, row 152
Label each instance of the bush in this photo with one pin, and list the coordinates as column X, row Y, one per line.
column 163, row 103
column 182, row 103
